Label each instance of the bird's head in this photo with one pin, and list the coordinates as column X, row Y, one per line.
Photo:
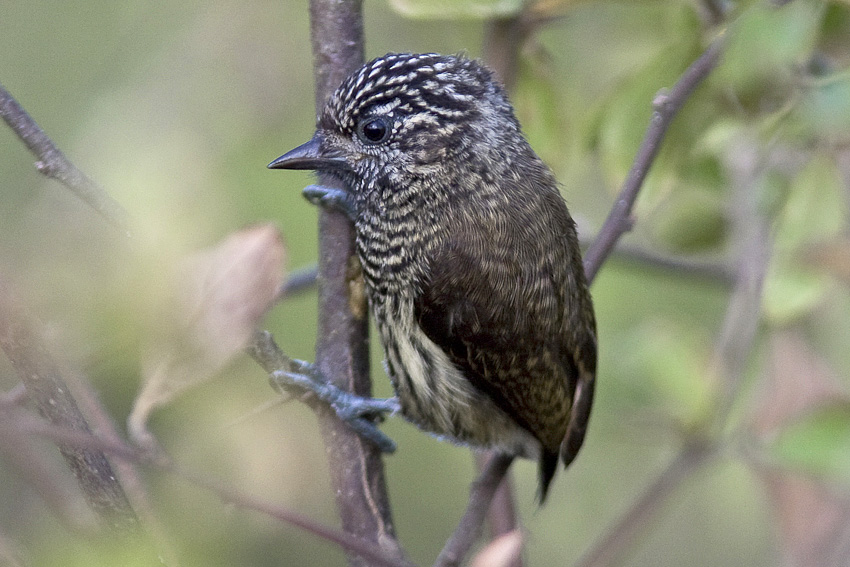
column 406, row 121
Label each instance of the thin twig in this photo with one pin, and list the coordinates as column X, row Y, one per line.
column 53, row 163
column 751, row 233
column 128, row 474
column 21, row 340
column 503, row 39
column 300, row 280
column 365, row 551
column 751, row 230
column 469, row 528
column 666, row 107
column 502, row 516
column 710, row 271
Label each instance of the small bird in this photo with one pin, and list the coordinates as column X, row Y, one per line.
column 469, row 255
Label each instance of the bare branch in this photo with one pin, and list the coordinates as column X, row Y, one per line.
column 365, row 551
column 481, row 495
column 731, row 352
column 713, row 271
column 21, row 341
column 751, row 233
column 342, row 354
column 503, row 39
column 666, row 105
column 53, row 163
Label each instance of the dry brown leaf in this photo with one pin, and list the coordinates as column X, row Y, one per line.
column 501, row 552
column 219, row 297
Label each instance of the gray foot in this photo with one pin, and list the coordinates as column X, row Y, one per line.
column 358, row 412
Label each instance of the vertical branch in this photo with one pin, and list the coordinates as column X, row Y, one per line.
column 503, row 39
column 357, row 471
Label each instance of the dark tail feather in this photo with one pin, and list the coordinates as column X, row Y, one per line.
column 548, row 465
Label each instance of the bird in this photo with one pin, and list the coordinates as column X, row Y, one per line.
column 470, row 257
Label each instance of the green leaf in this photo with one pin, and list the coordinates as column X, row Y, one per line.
column 691, row 220
column 792, row 291
column 818, row 443
column 766, row 44
column 453, row 9
column 812, row 211
column 673, row 362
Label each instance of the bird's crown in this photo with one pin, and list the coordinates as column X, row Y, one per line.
column 443, row 86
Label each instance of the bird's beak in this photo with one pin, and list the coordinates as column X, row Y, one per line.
column 310, row 156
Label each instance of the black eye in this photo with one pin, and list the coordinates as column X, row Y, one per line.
column 374, row 130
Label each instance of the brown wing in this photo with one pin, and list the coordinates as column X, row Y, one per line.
column 501, row 301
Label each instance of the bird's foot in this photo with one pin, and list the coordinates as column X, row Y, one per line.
column 358, row 412
column 330, row 198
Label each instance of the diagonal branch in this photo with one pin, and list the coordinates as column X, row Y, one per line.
column 23, row 344
column 53, row 163
column 666, row 105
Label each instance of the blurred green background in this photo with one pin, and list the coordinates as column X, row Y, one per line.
column 177, row 107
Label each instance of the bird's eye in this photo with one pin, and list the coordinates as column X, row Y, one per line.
column 374, row 130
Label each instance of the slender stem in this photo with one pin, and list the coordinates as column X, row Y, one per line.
column 53, row 163
column 502, row 515
column 503, row 39
column 21, row 340
column 483, row 490
column 667, row 105
column 356, row 466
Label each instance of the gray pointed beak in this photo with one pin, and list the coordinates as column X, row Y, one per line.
column 309, row 156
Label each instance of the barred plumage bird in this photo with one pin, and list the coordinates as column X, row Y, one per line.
column 469, row 254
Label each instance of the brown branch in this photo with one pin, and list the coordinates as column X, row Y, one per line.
column 299, row 280
column 732, row 349
column 481, row 495
column 20, row 339
column 342, row 354
column 666, row 106
column 502, row 516
column 503, row 39
column 53, row 163
column 366, row 551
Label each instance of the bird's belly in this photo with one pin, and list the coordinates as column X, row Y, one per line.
column 437, row 397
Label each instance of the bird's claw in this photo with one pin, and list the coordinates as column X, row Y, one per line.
column 330, row 198
column 357, row 412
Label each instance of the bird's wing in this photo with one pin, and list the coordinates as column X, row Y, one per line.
column 497, row 302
